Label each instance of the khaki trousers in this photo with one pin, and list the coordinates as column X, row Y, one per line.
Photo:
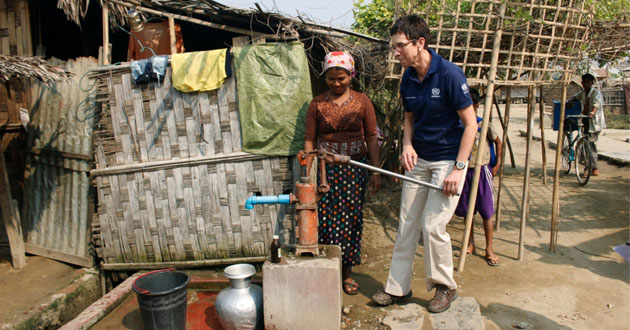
column 424, row 210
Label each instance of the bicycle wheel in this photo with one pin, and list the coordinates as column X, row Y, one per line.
column 566, row 155
column 582, row 161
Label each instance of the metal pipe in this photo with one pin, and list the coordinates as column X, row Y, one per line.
column 396, row 175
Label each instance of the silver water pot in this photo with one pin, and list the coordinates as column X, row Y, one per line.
column 240, row 306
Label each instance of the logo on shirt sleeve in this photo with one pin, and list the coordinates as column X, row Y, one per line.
column 435, row 93
column 465, row 88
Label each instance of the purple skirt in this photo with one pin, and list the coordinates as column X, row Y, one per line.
column 485, row 194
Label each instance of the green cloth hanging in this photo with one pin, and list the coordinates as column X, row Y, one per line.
column 274, row 91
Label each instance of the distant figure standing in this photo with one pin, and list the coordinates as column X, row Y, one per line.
column 593, row 106
column 484, row 203
column 438, row 133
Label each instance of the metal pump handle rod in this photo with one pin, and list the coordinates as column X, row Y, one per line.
column 396, row 175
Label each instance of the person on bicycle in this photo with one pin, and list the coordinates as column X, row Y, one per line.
column 592, row 106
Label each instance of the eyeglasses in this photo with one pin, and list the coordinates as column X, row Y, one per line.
column 399, row 46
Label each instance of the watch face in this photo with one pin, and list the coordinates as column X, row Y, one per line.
column 460, row 165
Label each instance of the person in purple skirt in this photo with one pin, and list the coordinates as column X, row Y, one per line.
column 485, row 194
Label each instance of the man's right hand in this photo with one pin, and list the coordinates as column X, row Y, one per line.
column 409, row 157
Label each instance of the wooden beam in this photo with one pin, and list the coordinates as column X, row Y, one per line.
column 555, row 199
column 525, row 197
column 58, row 255
column 172, row 163
column 508, row 100
column 542, row 136
column 11, row 218
column 171, row 31
column 105, row 17
column 181, row 264
column 191, row 20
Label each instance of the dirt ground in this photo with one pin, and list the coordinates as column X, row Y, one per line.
column 583, row 285
column 23, row 292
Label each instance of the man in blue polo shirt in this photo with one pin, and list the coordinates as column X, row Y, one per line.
column 439, row 131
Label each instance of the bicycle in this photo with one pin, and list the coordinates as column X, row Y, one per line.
column 576, row 149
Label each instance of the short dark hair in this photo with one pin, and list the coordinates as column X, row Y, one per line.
column 588, row 76
column 474, row 95
column 413, row 26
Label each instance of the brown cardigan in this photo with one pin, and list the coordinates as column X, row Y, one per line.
column 341, row 129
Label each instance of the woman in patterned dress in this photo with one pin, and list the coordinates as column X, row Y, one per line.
column 342, row 121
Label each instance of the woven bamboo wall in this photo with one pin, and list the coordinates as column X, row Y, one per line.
column 15, row 40
column 171, row 178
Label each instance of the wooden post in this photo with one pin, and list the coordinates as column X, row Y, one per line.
column 542, row 136
column 11, row 218
column 105, row 34
column 171, row 31
column 525, row 199
column 504, row 142
column 482, row 141
column 508, row 100
column 555, row 200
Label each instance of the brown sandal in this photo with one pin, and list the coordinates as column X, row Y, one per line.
column 350, row 287
column 493, row 261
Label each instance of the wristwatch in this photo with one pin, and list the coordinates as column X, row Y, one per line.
column 460, row 165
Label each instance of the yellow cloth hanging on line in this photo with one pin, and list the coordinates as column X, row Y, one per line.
column 199, row 71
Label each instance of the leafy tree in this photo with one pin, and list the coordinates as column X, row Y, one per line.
column 373, row 18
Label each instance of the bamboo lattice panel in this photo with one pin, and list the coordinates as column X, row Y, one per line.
column 171, row 178
column 541, row 39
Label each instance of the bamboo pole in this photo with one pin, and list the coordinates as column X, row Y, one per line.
column 482, row 145
column 508, row 100
column 191, row 20
column 173, row 163
column 525, row 199
column 541, row 106
column 555, row 201
column 105, row 52
column 180, row 264
column 171, row 31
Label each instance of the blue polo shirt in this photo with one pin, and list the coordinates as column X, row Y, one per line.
column 434, row 102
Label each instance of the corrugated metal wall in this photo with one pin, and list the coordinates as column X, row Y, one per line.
column 55, row 212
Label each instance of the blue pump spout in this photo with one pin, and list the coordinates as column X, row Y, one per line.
column 280, row 199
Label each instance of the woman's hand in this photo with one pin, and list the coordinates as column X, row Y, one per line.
column 375, row 183
column 408, row 158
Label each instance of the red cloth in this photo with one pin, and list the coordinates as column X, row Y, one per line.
column 156, row 36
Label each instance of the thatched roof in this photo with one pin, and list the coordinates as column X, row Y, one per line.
column 255, row 21
column 31, row 67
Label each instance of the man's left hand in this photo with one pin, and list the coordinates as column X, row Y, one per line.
column 451, row 183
